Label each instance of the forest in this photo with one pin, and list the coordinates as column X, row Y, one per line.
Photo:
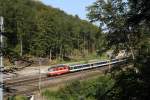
column 43, row 30
column 127, row 25
column 33, row 29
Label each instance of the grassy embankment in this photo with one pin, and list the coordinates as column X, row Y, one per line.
column 89, row 89
column 81, row 90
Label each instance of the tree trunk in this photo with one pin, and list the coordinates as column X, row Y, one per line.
column 21, row 47
column 132, row 53
column 131, row 49
column 50, row 55
column 84, row 46
column 60, row 55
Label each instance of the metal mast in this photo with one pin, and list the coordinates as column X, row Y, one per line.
column 1, row 57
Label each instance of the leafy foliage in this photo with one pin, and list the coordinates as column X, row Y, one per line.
column 113, row 16
column 87, row 90
column 35, row 29
column 128, row 28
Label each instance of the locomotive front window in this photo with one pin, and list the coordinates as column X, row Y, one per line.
column 50, row 69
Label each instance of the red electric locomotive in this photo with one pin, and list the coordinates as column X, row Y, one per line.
column 58, row 70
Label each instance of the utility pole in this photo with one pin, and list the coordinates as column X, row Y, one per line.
column 40, row 63
column 1, row 57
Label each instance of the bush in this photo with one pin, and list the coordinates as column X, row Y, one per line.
column 86, row 90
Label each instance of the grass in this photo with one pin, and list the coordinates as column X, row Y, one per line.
column 18, row 97
column 86, row 59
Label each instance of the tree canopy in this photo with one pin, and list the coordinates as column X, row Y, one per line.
column 33, row 28
column 127, row 24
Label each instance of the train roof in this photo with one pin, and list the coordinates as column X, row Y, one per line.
column 88, row 63
column 59, row 65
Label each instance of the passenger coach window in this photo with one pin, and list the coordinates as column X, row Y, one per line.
column 71, row 68
column 79, row 66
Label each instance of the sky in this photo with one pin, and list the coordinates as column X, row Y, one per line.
column 73, row 7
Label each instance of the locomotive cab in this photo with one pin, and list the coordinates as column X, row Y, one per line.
column 57, row 70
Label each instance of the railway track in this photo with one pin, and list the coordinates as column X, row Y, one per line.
column 18, row 82
column 50, row 82
column 26, row 85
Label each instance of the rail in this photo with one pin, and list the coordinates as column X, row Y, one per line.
column 17, row 83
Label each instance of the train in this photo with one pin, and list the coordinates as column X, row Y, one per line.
column 64, row 68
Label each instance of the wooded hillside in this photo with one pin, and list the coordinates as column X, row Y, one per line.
column 32, row 28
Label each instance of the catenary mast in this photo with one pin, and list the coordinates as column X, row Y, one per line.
column 1, row 57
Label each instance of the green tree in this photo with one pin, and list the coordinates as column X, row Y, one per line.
column 128, row 29
column 36, row 29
